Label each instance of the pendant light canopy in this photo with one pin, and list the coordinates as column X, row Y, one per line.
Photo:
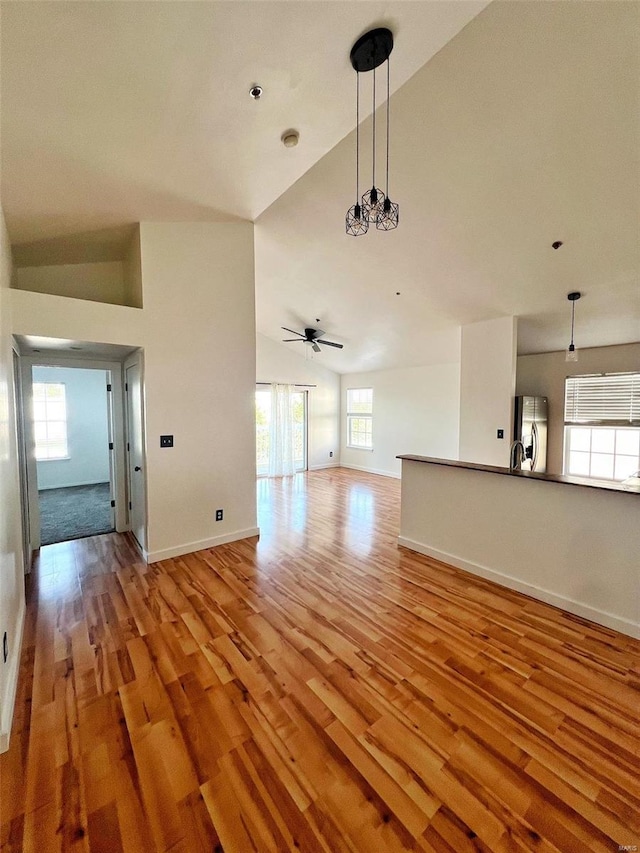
column 369, row 52
column 572, row 352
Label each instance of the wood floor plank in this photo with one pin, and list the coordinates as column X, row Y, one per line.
column 317, row 689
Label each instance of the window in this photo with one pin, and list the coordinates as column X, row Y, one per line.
column 360, row 418
column 602, row 426
column 50, row 420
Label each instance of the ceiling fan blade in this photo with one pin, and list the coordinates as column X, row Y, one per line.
column 293, row 331
column 315, row 346
column 331, row 344
column 292, row 340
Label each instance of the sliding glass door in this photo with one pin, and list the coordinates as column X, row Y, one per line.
column 263, row 428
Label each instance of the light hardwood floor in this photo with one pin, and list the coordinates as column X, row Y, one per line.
column 318, row 689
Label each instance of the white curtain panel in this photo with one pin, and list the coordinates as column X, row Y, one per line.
column 281, row 454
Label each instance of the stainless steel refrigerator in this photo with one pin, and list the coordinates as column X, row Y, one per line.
column 530, row 427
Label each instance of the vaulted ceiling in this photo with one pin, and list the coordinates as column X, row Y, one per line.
column 512, row 125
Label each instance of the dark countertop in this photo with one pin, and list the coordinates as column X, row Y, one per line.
column 603, row 485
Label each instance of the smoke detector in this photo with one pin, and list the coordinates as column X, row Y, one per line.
column 290, row 138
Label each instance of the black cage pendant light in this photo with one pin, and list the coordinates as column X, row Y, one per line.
column 370, row 51
column 357, row 221
column 389, row 217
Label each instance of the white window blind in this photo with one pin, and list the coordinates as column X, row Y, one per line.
column 612, row 398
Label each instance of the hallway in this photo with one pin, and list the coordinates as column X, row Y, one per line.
column 318, row 689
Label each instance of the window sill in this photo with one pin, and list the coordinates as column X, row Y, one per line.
column 53, row 459
column 356, row 447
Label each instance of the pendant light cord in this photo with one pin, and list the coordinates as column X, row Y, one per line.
column 374, row 127
column 573, row 312
column 357, row 137
column 387, row 127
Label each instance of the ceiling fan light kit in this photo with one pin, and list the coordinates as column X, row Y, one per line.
column 369, row 52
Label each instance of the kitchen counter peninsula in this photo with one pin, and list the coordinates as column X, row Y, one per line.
column 532, row 475
column 568, row 541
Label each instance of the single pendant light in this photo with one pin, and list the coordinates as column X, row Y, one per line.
column 370, row 51
column 357, row 219
column 373, row 200
column 388, row 219
column 572, row 353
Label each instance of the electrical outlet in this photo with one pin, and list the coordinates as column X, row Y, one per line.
column 500, row 433
column 166, row 441
column 330, row 454
column 5, row 647
column 219, row 514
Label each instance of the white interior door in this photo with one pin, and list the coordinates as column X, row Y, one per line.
column 135, row 454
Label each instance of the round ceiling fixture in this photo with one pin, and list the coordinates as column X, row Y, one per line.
column 371, row 49
column 290, row 138
column 256, row 92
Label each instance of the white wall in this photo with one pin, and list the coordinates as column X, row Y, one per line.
column 572, row 546
column 275, row 363
column 100, row 282
column 415, row 410
column 487, row 388
column 11, row 571
column 544, row 375
column 87, row 429
column 197, row 329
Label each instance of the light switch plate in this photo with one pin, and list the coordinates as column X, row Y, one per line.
column 166, row 441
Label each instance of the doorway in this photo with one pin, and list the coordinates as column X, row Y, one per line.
column 103, row 360
column 72, row 432
column 264, row 435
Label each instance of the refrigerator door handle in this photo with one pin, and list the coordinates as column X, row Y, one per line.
column 535, row 441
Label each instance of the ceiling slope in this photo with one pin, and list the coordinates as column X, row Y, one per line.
column 521, row 131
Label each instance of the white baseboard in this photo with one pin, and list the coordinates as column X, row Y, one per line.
column 372, row 471
column 190, row 547
column 9, row 701
column 609, row 620
column 322, row 467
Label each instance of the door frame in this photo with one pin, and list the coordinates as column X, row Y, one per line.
column 118, row 485
column 136, row 359
column 23, row 480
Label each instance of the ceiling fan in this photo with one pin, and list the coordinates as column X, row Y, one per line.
column 311, row 336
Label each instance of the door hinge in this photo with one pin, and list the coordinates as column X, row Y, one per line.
column 110, row 445
column 113, row 503
column 126, row 386
column 130, row 507
column 108, row 387
column 128, row 447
